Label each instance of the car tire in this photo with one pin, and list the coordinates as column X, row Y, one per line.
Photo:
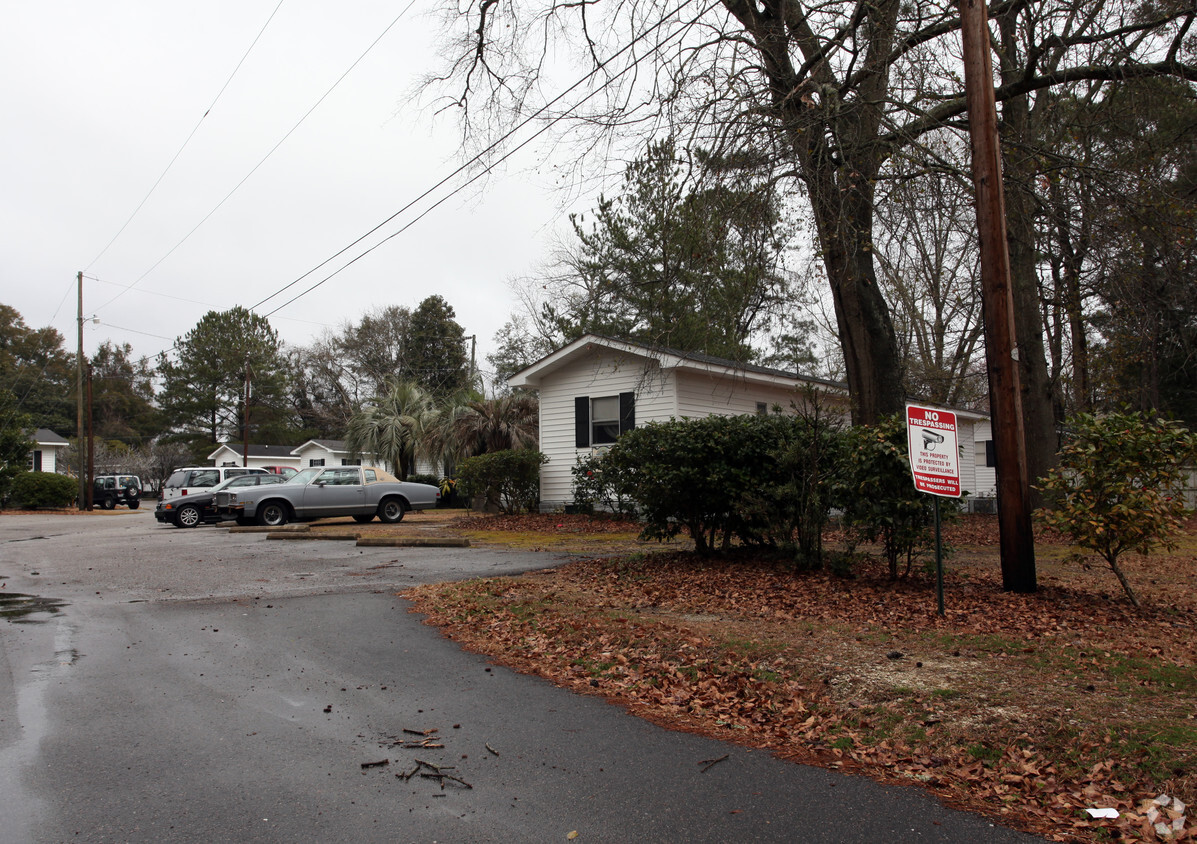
column 272, row 514
column 187, row 516
column 363, row 520
column 109, row 503
column 391, row 510
column 134, row 504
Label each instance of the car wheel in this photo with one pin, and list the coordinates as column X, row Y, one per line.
column 367, row 518
column 391, row 510
column 134, row 504
column 108, row 503
column 187, row 516
column 272, row 514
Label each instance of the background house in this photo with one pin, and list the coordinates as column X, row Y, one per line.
column 328, row 453
column 595, row 388
column 48, row 448
column 260, row 456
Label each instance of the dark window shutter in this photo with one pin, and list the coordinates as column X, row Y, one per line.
column 627, row 411
column 990, row 454
column 582, row 421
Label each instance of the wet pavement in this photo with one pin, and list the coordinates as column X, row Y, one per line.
column 167, row 685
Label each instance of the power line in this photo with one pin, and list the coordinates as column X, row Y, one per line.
column 271, row 152
column 472, row 161
column 195, row 129
column 476, row 158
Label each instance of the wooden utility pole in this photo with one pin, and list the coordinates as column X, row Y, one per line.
column 91, row 445
column 1009, row 437
column 245, row 425
column 82, row 500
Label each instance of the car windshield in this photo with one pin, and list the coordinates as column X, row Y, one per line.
column 305, row 476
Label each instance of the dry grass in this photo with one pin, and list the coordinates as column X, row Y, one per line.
column 1029, row 708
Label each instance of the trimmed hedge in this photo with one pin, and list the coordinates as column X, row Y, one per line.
column 507, row 481
column 43, row 489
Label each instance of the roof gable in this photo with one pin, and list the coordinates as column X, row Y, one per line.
column 254, row 450
column 665, row 359
column 44, row 436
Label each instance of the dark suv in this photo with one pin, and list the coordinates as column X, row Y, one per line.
column 110, row 490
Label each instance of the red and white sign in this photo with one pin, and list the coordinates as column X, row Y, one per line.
column 934, row 458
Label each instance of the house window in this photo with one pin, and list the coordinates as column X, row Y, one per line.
column 762, row 409
column 316, row 461
column 37, row 461
column 601, row 419
column 986, row 454
column 345, row 461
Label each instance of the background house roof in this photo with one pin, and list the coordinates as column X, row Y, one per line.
column 255, row 450
column 327, row 445
column 44, row 436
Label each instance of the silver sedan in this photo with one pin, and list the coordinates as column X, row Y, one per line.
column 362, row 492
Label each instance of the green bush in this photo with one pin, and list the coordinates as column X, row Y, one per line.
column 751, row 478
column 1118, row 484
column 431, row 480
column 596, row 484
column 44, row 489
column 878, row 497
column 508, row 481
column 810, row 455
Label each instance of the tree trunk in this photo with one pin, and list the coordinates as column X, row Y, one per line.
column 866, row 330
column 1019, row 172
column 838, row 156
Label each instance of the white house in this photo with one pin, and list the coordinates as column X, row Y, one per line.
column 47, row 448
column 310, row 453
column 260, row 456
column 595, row 388
column 327, row 453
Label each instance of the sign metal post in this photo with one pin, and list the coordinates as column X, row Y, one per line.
column 935, row 464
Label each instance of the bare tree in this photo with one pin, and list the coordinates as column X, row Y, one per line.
column 927, row 254
column 826, row 93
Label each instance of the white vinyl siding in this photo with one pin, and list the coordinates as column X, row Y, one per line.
column 705, row 395
column 596, row 377
column 593, row 368
column 984, row 477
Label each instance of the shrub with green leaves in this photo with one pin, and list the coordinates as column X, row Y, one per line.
column 44, row 489
column 721, row 478
column 596, row 485
column 878, row 495
column 1117, row 487
column 508, row 481
column 810, row 458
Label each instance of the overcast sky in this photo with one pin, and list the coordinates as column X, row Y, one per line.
column 99, row 97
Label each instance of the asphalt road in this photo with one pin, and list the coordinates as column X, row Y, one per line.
column 196, row 685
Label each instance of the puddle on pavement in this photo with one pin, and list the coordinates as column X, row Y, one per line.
column 19, row 608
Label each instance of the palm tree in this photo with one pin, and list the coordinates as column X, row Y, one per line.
column 477, row 426
column 393, row 425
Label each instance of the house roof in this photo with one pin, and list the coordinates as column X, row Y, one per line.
column 255, row 450
column 337, row 446
column 44, row 436
column 665, row 358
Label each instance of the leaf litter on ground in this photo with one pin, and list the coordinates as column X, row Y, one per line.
column 1028, row 708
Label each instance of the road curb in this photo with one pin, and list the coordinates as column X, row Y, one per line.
column 308, row 535
column 285, row 529
column 413, row 542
